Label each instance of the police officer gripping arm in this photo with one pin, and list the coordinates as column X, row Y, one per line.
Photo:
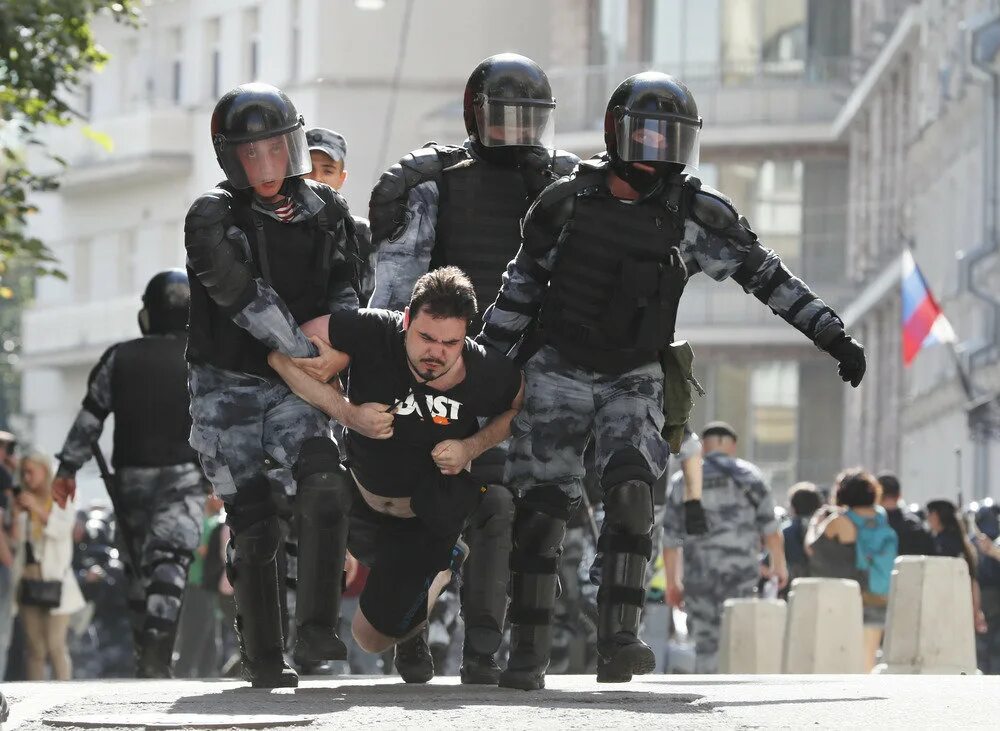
column 267, row 251
column 159, row 493
column 462, row 206
column 605, row 256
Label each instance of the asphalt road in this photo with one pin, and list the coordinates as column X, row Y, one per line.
column 569, row 702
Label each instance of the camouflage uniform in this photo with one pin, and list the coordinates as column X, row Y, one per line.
column 158, row 508
column 723, row 563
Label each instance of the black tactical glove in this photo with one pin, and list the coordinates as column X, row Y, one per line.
column 694, row 518
column 851, row 356
column 536, row 169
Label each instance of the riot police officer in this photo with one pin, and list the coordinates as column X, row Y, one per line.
column 158, row 488
column 462, row 206
column 605, row 257
column 267, row 250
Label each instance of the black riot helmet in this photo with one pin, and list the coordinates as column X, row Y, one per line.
column 165, row 303
column 258, row 136
column 508, row 103
column 651, row 118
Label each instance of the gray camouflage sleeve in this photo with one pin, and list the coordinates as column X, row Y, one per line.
column 761, row 273
column 89, row 422
column 267, row 318
column 673, row 516
column 766, row 521
column 402, row 261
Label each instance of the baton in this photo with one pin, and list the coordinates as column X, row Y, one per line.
column 109, row 484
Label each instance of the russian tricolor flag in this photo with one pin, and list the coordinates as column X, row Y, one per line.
column 924, row 323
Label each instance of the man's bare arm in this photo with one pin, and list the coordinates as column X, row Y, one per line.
column 496, row 429
column 326, row 397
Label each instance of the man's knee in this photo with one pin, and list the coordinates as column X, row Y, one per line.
column 495, row 513
column 540, row 522
column 368, row 638
column 627, row 464
column 257, row 544
column 628, row 507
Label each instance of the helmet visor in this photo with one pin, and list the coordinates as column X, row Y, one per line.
column 658, row 139
column 247, row 164
column 525, row 122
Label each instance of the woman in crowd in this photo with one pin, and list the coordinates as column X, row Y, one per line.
column 832, row 543
column 950, row 539
column 47, row 589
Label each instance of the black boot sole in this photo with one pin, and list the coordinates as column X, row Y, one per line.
column 415, row 675
column 284, row 680
column 479, row 676
column 627, row 661
column 521, row 680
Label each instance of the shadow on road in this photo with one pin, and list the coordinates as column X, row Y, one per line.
column 309, row 700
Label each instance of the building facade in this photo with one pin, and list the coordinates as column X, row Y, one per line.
column 770, row 77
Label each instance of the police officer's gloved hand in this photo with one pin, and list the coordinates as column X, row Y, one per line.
column 694, row 518
column 536, row 164
column 851, row 356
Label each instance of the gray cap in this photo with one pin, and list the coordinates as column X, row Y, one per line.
column 718, row 429
column 328, row 141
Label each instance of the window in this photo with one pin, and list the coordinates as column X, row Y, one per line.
column 774, row 401
column 176, row 64
column 212, row 44
column 251, row 31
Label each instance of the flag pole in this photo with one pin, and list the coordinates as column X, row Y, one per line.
column 963, row 373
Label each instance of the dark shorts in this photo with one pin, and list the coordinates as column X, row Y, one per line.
column 403, row 556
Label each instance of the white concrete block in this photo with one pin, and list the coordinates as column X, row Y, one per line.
column 929, row 625
column 823, row 632
column 753, row 634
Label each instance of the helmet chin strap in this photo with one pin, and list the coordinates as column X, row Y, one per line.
column 644, row 182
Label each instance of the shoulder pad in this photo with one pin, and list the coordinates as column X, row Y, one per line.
column 595, row 164
column 563, row 162
column 426, row 163
column 711, row 208
column 331, row 198
column 210, row 208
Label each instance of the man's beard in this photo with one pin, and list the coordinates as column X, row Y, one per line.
column 428, row 375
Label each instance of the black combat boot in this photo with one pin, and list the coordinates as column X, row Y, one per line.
column 254, row 576
column 155, row 653
column 414, row 660
column 322, row 507
column 534, row 562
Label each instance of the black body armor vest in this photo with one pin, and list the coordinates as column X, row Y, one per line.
column 150, row 402
column 613, row 294
column 293, row 258
column 479, row 225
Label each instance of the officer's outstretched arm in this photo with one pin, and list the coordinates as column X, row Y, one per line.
column 403, row 215
column 212, row 255
column 527, row 277
column 89, row 422
column 725, row 246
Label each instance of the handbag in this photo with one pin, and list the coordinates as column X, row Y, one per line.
column 37, row 592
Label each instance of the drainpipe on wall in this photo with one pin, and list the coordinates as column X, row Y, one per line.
column 985, row 50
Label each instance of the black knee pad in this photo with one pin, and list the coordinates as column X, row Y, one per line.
column 252, row 504
column 495, row 513
column 625, row 465
column 628, row 507
column 257, row 544
column 551, row 500
column 324, row 488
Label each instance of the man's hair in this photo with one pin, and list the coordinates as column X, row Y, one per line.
column 804, row 499
column 442, row 293
column 857, row 488
column 889, row 483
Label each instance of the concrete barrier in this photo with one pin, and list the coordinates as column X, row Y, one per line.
column 823, row 633
column 753, row 633
column 929, row 626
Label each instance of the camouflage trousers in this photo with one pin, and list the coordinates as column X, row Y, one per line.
column 244, row 426
column 160, row 511
column 703, row 600
column 565, row 406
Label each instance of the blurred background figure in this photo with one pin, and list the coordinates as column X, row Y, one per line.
column 951, row 539
column 914, row 538
column 8, row 468
column 987, row 517
column 47, row 590
column 852, row 540
column 803, row 501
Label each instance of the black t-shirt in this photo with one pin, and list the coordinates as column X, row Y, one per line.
column 379, row 372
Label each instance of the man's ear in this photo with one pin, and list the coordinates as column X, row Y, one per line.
column 406, row 317
column 343, row 177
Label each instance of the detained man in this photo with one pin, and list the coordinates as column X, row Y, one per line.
column 418, row 391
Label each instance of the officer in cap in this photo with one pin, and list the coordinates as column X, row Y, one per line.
column 462, row 206
column 267, row 250
column 158, row 486
column 328, row 152
column 605, row 257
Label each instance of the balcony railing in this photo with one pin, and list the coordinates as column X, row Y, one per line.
column 760, row 92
